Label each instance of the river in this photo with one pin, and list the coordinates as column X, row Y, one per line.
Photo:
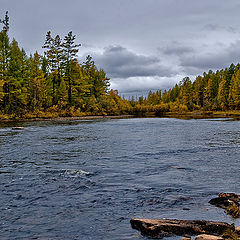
column 86, row 179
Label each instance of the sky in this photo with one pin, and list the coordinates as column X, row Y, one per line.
column 141, row 44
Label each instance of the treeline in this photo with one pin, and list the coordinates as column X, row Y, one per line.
column 54, row 84
column 214, row 91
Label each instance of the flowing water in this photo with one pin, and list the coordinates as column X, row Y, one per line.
column 87, row 179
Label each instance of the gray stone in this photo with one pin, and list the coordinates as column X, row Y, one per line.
column 165, row 227
column 208, row 237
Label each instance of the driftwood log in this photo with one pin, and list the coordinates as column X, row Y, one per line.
column 164, row 227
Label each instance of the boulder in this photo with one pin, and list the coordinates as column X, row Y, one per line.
column 165, row 227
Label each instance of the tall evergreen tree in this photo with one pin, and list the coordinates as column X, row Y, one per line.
column 53, row 54
column 70, row 50
column 4, row 60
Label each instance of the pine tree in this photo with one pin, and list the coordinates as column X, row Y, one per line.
column 4, row 59
column 15, row 93
column 53, row 54
column 70, row 50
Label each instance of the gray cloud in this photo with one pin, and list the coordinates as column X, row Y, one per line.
column 119, row 62
column 212, row 60
column 188, row 32
column 214, row 27
column 141, row 84
column 176, row 48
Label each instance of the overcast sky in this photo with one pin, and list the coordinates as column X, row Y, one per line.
column 141, row 44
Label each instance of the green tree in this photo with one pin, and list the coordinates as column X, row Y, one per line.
column 70, row 50
column 15, row 91
column 54, row 57
column 4, row 60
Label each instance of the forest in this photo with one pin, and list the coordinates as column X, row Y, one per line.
column 213, row 91
column 56, row 84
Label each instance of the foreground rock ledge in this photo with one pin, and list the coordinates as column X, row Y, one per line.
column 165, row 227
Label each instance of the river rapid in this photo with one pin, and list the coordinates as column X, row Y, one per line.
column 86, row 179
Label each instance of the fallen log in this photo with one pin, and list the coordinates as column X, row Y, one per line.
column 164, row 227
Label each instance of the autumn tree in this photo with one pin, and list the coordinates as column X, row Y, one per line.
column 234, row 94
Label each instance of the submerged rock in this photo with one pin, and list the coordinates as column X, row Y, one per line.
column 165, row 227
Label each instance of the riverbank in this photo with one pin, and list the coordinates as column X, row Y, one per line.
column 195, row 115
column 205, row 114
column 180, row 115
column 68, row 118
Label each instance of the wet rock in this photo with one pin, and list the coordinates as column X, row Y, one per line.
column 17, row 128
column 165, row 227
column 224, row 200
column 232, row 196
column 186, row 238
column 229, row 202
column 237, row 230
column 208, row 237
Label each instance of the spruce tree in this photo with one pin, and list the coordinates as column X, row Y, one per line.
column 70, row 50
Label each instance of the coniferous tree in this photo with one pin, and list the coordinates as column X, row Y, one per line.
column 70, row 50
column 4, row 59
column 37, row 91
column 234, row 94
column 53, row 54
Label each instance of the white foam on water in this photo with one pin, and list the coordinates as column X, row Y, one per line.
column 75, row 172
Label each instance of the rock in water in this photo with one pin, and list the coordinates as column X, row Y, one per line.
column 17, row 128
column 165, row 227
column 224, row 200
column 237, row 230
column 229, row 202
column 208, row 237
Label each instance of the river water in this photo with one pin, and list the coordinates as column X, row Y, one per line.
column 87, row 179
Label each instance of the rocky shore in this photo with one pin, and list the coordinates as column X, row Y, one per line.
column 200, row 229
